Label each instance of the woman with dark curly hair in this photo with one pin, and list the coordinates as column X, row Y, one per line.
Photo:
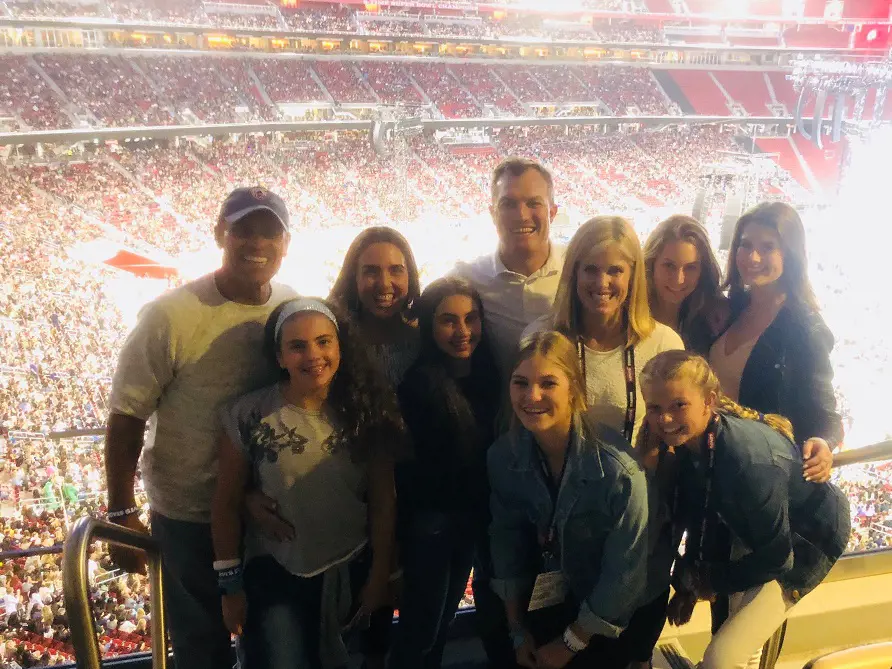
column 320, row 444
column 449, row 400
column 376, row 286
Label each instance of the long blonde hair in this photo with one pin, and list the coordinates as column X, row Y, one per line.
column 596, row 234
column 674, row 365
column 559, row 350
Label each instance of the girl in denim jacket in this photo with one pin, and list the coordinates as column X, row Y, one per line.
column 740, row 469
column 569, row 518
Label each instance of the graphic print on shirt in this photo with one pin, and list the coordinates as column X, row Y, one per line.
column 266, row 443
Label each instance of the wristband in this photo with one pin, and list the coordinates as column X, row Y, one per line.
column 229, row 580
column 573, row 643
column 518, row 638
column 111, row 515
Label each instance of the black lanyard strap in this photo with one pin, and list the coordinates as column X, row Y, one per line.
column 711, row 430
column 631, row 385
column 554, row 488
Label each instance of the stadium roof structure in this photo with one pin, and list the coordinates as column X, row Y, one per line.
column 76, row 135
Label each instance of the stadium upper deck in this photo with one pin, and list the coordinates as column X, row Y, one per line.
column 854, row 25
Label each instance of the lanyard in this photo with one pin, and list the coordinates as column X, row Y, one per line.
column 631, row 391
column 549, row 548
column 711, row 430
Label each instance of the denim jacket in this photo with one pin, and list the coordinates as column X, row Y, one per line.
column 600, row 522
column 792, row 531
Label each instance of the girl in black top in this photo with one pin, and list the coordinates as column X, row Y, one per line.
column 449, row 401
column 774, row 314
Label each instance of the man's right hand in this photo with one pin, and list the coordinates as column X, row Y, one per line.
column 130, row 560
column 263, row 512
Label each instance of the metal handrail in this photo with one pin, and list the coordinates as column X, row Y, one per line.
column 75, row 586
column 872, row 453
column 20, row 553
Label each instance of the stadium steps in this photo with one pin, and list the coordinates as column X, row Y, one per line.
column 67, row 105
column 246, row 98
column 788, row 159
column 671, row 105
column 259, row 87
column 315, row 77
column 745, row 88
column 462, row 86
column 673, row 90
column 540, row 81
column 700, row 89
column 514, row 95
column 771, row 92
column 824, row 163
column 420, row 90
column 363, row 84
column 166, row 103
column 592, row 93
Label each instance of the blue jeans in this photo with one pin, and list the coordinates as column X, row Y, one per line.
column 437, row 554
column 191, row 598
column 283, row 618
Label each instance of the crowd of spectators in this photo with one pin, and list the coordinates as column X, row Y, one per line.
column 339, row 19
column 135, row 90
column 61, row 328
column 241, row 20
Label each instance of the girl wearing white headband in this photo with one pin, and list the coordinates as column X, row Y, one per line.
column 319, row 444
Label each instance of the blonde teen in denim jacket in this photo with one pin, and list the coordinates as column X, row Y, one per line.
column 569, row 511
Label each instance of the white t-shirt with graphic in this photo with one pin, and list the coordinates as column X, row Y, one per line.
column 298, row 458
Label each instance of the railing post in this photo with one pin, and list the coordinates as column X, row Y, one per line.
column 76, row 588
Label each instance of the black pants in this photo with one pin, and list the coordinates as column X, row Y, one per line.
column 635, row 644
column 491, row 619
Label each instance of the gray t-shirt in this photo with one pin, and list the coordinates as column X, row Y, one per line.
column 298, row 459
column 191, row 353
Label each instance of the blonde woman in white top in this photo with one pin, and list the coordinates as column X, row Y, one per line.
column 602, row 305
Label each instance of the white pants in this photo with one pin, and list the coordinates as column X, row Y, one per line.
column 754, row 617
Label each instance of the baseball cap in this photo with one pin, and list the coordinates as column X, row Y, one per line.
column 246, row 200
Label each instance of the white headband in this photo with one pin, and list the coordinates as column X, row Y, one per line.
column 300, row 305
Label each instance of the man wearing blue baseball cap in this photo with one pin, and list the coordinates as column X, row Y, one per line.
column 193, row 350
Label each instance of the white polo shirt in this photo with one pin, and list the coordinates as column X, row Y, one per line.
column 511, row 301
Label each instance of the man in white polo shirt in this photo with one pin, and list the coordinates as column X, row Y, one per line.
column 518, row 282
column 193, row 349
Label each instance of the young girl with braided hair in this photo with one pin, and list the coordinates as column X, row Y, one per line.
column 737, row 467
